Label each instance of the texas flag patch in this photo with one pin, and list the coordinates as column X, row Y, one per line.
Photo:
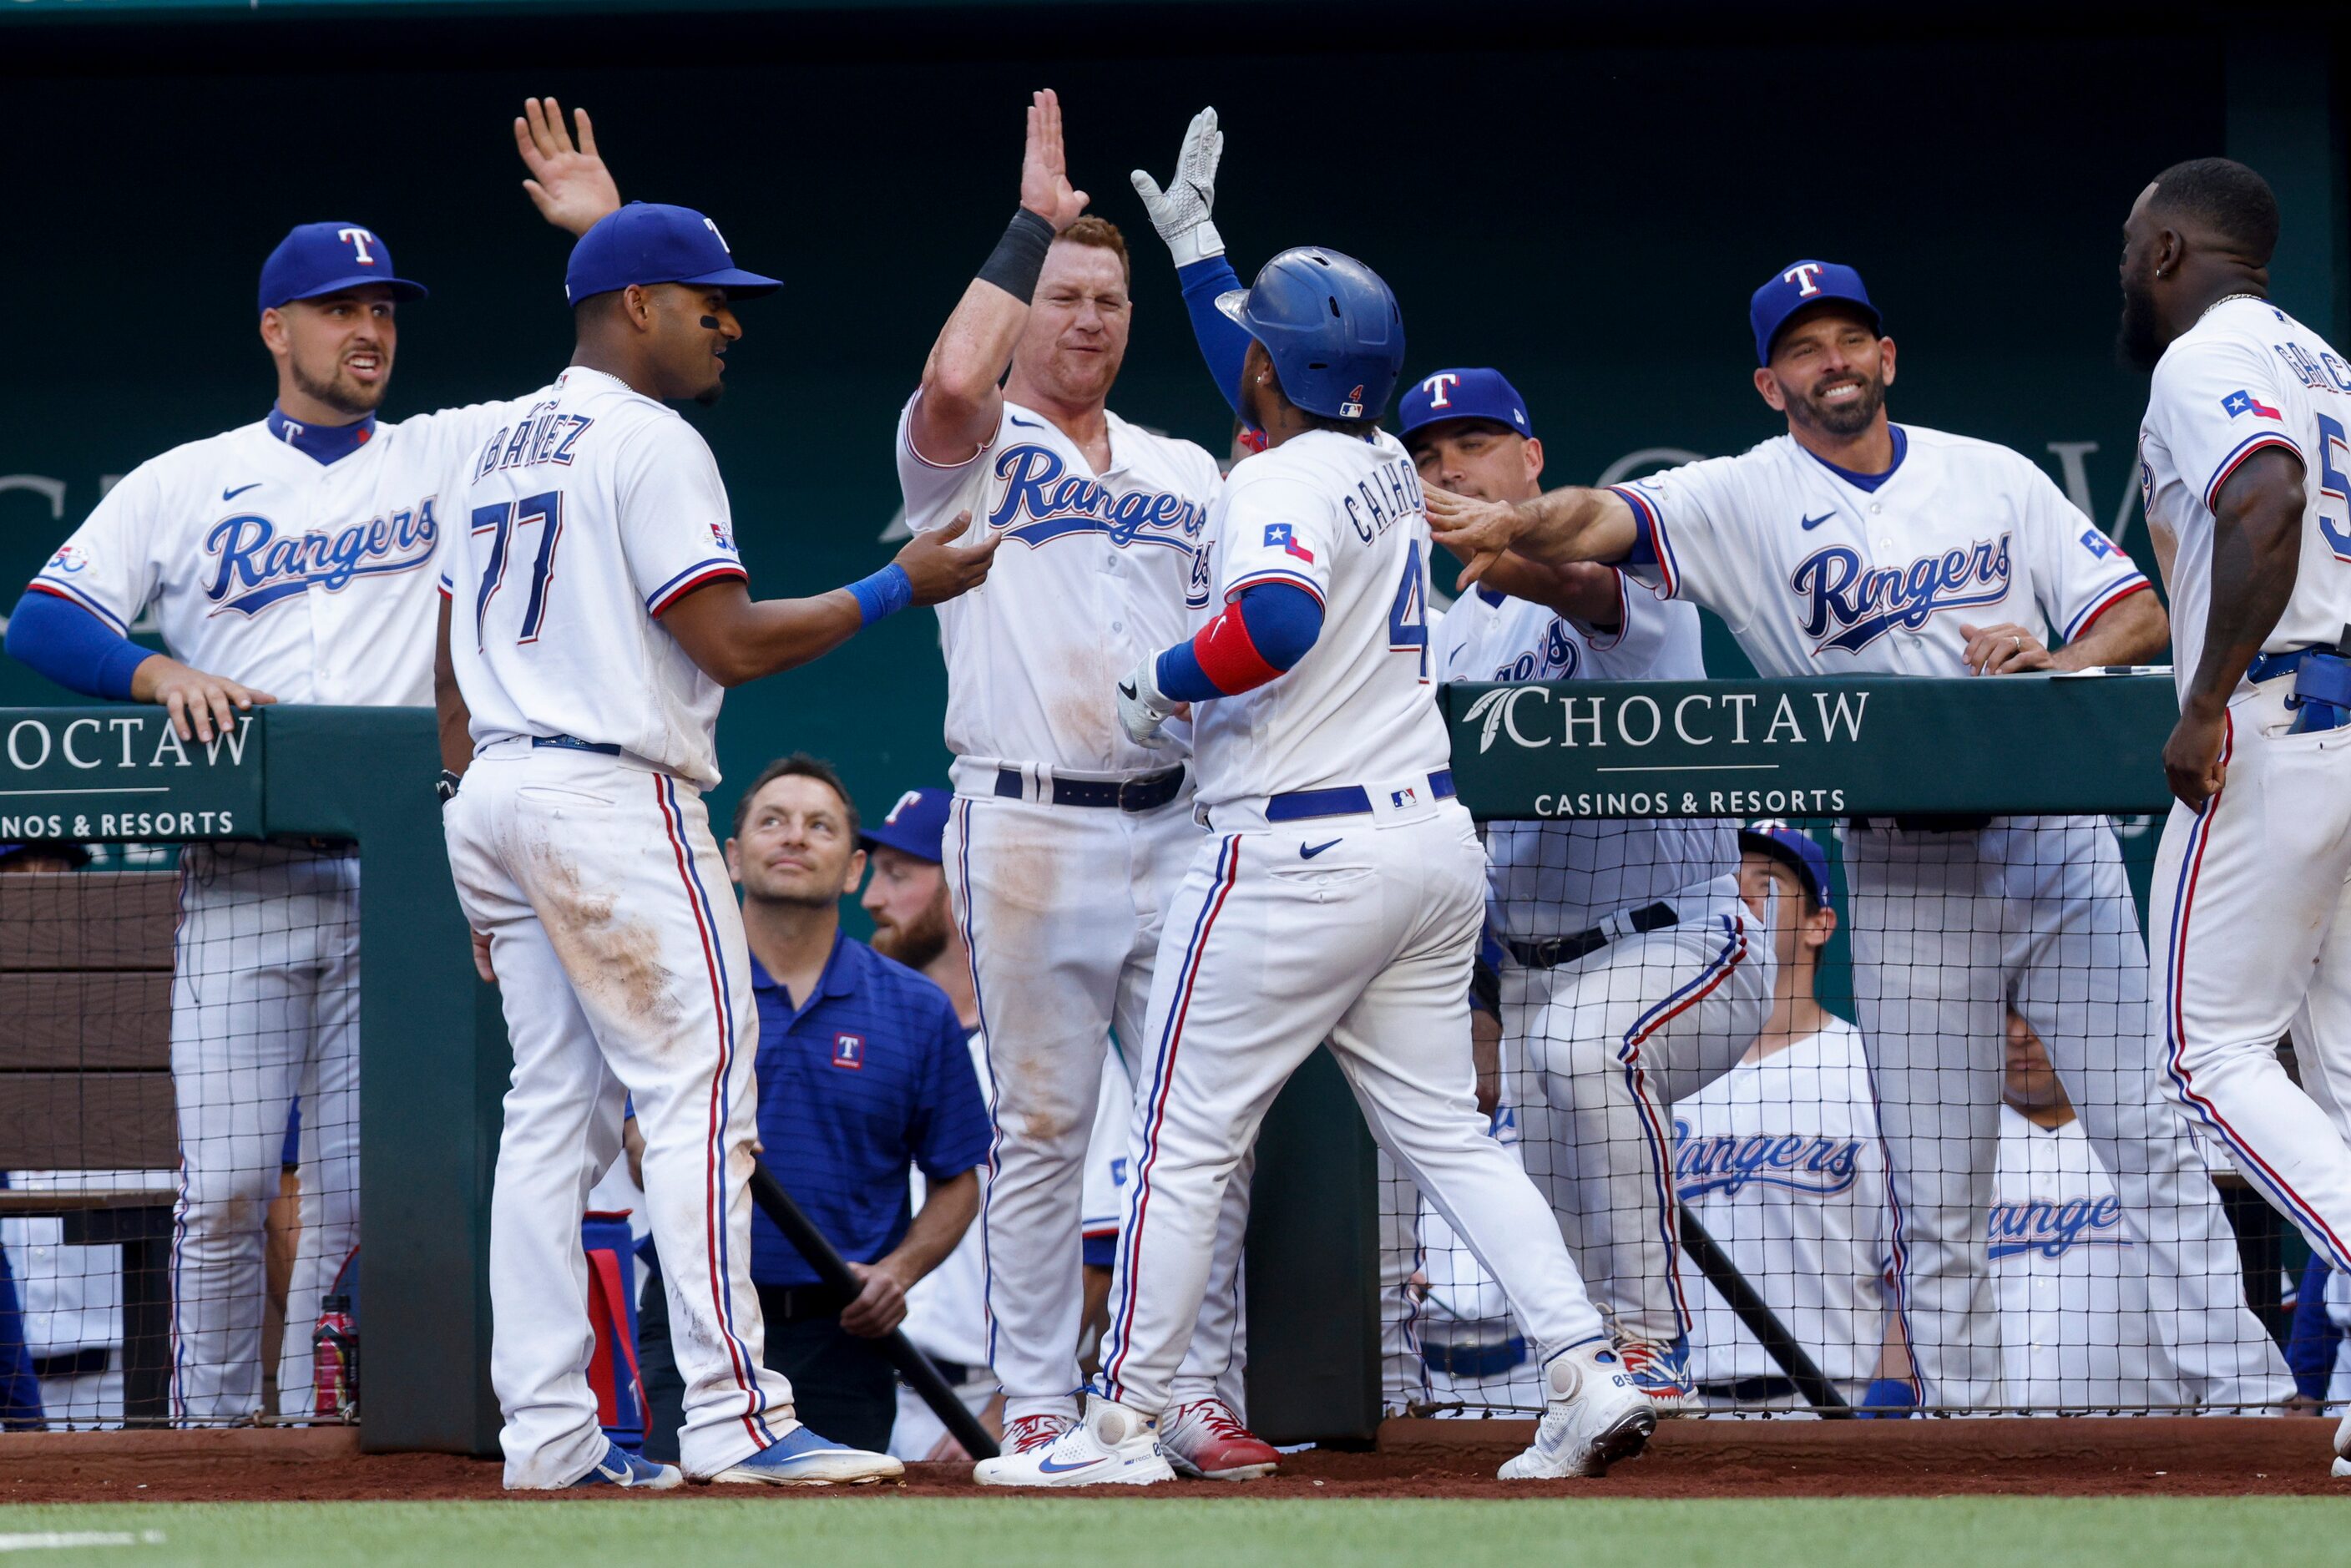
column 1280, row 536
column 2238, row 403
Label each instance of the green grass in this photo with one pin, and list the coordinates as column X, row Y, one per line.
column 930, row 1532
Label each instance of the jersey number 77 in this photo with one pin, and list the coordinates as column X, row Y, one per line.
column 503, row 522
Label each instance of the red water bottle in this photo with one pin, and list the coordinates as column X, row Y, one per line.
column 335, row 1360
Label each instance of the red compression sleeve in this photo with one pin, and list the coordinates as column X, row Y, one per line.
column 1229, row 655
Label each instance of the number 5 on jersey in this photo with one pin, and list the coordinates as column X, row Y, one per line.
column 505, row 520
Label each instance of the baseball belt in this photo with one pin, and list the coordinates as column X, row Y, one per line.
column 1147, row 793
column 1558, row 950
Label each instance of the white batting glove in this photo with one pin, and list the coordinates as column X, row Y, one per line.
column 1180, row 213
column 1142, row 707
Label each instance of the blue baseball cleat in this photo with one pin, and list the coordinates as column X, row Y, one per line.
column 618, row 1467
column 802, row 1458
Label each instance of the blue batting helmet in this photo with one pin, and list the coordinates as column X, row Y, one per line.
column 1331, row 327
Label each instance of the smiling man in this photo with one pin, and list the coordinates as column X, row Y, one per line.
column 1852, row 545
column 285, row 560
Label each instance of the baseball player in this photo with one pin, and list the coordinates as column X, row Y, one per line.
column 1339, row 897
column 1067, row 837
column 1850, row 546
column 1633, row 976
column 1780, row 1160
column 2242, row 455
column 594, row 608
column 285, row 560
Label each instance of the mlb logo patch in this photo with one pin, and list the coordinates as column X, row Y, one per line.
column 1404, row 798
column 2238, row 403
column 849, row 1051
column 1282, row 536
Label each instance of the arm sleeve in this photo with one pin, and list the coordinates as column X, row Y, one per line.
column 935, row 492
column 109, row 566
column 1262, row 634
column 675, row 531
column 2310, row 1345
column 2078, row 571
column 2216, row 403
column 955, row 1135
column 72, row 646
column 1687, row 520
column 1224, row 342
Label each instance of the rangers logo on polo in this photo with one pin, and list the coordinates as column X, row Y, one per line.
column 849, row 1051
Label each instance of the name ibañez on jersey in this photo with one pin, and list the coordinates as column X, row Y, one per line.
column 2053, row 1229
column 1043, row 501
column 1817, row 1167
column 256, row 567
column 1850, row 604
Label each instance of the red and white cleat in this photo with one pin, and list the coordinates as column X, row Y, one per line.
column 1206, row 1439
column 1026, row 1434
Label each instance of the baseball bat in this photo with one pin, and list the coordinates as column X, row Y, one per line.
column 904, row 1353
column 1777, row 1342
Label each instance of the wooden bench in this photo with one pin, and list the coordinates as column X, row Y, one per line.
column 86, row 1083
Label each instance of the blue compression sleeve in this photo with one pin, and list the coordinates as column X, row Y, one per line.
column 1282, row 623
column 2312, row 1347
column 72, row 647
column 1224, row 343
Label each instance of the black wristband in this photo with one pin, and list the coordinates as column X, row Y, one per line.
column 1485, row 987
column 1019, row 256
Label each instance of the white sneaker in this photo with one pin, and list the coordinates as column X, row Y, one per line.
column 1113, row 1446
column 1596, row 1415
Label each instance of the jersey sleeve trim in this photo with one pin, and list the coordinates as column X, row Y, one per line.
column 692, row 578
column 1274, row 574
column 1649, row 524
column 2244, row 449
column 74, row 596
column 907, row 440
column 2135, row 583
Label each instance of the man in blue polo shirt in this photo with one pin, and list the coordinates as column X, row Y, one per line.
column 862, row 1073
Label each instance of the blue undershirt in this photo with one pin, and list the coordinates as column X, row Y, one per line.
column 1224, row 342
column 60, row 640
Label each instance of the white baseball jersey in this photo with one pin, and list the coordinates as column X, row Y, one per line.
column 310, row 580
column 1818, row 571
column 1339, row 517
column 2075, row 1324
column 946, row 1309
column 590, row 509
column 2245, row 377
column 1095, row 573
column 1556, row 879
column 1780, row 1160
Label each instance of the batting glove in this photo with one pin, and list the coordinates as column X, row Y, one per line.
column 1142, row 707
column 1180, row 213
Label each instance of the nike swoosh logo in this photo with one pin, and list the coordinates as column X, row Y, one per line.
column 1816, row 522
column 241, row 489
column 1308, row 851
column 1126, row 690
column 1051, row 1468
column 1025, row 424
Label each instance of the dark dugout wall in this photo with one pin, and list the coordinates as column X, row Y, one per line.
column 1589, row 215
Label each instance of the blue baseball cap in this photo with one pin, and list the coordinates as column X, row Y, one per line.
column 320, row 258
column 650, row 242
column 1798, row 287
column 1463, row 394
column 1794, row 848
column 916, row 825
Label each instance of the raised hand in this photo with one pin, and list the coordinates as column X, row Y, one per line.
column 1477, row 532
column 939, row 569
column 569, row 184
column 1045, row 188
column 1181, row 211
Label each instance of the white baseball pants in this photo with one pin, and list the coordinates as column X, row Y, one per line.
column 2252, row 924
column 1061, row 908
column 620, row 960
column 1947, row 929
column 265, row 1008
column 1268, row 953
column 1609, row 1043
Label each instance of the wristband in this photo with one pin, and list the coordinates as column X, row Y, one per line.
column 1019, row 256
column 885, row 592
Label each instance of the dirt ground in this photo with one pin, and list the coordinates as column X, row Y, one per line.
column 2085, row 1457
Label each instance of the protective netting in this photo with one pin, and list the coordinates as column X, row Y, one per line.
column 179, row 1128
column 1898, row 1083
